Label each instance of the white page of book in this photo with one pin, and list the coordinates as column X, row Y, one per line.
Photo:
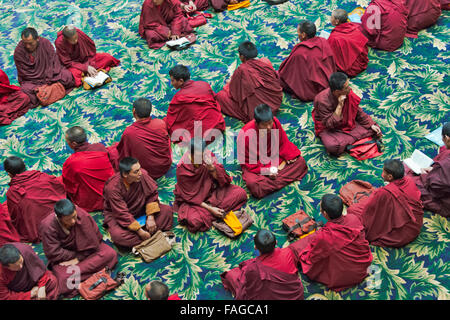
column 418, row 161
column 97, row 80
column 436, row 136
column 179, row 41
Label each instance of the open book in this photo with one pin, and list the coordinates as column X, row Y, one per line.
column 98, row 80
column 436, row 136
column 417, row 161
column 180, row 41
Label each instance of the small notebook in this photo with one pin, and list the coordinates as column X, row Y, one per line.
column 179, row 41
column 324, row 34
column 418, row 161
column 98, row 80
column 436, row 136
column 142, row 220
column 355, row 18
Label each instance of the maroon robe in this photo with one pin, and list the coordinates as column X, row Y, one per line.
column 393, row 24
column 445, row 4
column 393, row 215
column 77, row 58
column 337, row 255
column 156, row 22
column 306, row 71
column 194, row 102
column 255, row 168
column 13, row 102
column 8, row 232
column 123, row 206
column 271, row 276
column 83, row 241
column 422, row 14
column 435, row 185
column 254, row 82
column 40, row 68
column 196, row 185
column 31, row 197
column 148, row 141
column 84, row 175
column 17, row 285
column 201, row 5
column 350, row 49
column 336, row 133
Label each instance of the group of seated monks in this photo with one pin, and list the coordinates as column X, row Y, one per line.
column 119, row 180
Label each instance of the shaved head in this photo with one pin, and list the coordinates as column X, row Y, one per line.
column 340, row 15
column 69, row 31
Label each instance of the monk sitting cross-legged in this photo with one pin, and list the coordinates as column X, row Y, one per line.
column 130, row 194
column 392, row 215
column 337, row 255
column 254, row 82
column 73, row 246
column 23, row 275
column 85, row 172
column 269, row 161
column 204, row 192
column 338, row 119
column 13, row 102
column 30, row 197
column 305, row 72
column 77, row 52
column 273, row 275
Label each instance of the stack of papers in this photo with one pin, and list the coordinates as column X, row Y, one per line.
column 98, row 80
column 418, row 161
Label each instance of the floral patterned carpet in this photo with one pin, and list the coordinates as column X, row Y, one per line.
column 406, row 92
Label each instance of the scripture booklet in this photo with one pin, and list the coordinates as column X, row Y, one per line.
column 180, row 41
column 418, row 161
column 98, row 80
column 436, row 136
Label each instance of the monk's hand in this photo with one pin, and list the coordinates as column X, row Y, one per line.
column 376, row 129
column 34, row 292
column 291, row 161
column 151, row 224
column 174, row 37
column 69, row 263
column 233, row 1
column 144, row 235
column 92, row 72
column 209, row 163
column 426, row 170
column 192, row 6
column 41, row 295
column 217, row 212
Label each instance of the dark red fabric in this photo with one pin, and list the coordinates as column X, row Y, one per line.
column 393, row 215
column 31, row 197
column 174, row 297
column 13, row 102
column 148, row 141
column 8, row 232
column 422, row 14
column 365, row 149
column 84, row 175
column 194, row 102
column 306, row 71
column 43, row 67
column 445, row 4
column 254, row 82
column 350, row 49
column 337, row 255
column 156, row 22
column 393, row 24
column 196, row 185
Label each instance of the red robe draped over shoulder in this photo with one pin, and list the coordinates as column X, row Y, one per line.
column 13, row 102
column 193, row 102
column 393, row 215
column 388, row 31
column 350, row 49
column 31, row 197
column 196, row 185
column 77, row 58
column 17, row 285
column 157, row 21
column 422, row 14
column 336, row 133
column 148, row 141
column 306, row 71
column 40, row 68
column 83, row 241
column 84, row 175
column 256, row 165
column 337, row 255
column 8, row 232
column 271, row 276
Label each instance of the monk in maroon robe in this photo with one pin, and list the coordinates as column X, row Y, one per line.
column 161, row 21
column 445, row 4
column 8, row 232
column 38, row 64
column 147, row 140
column 422, row 14
column 271, row 276
column 337, row 255
column 204, row 192
column 85, row 172
column 193, row 110
column 77, row 52
column 269, row 161
column 130, row 194
column 306, row 71
column 254, row 82
column 434, row 182
column 13, row 102
column 392, row 215
column 384, row 23
column 338, row 119
column 73, row 246
column 191, row 6
column 23, row 275
column 349, row 44
column 30, row 197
